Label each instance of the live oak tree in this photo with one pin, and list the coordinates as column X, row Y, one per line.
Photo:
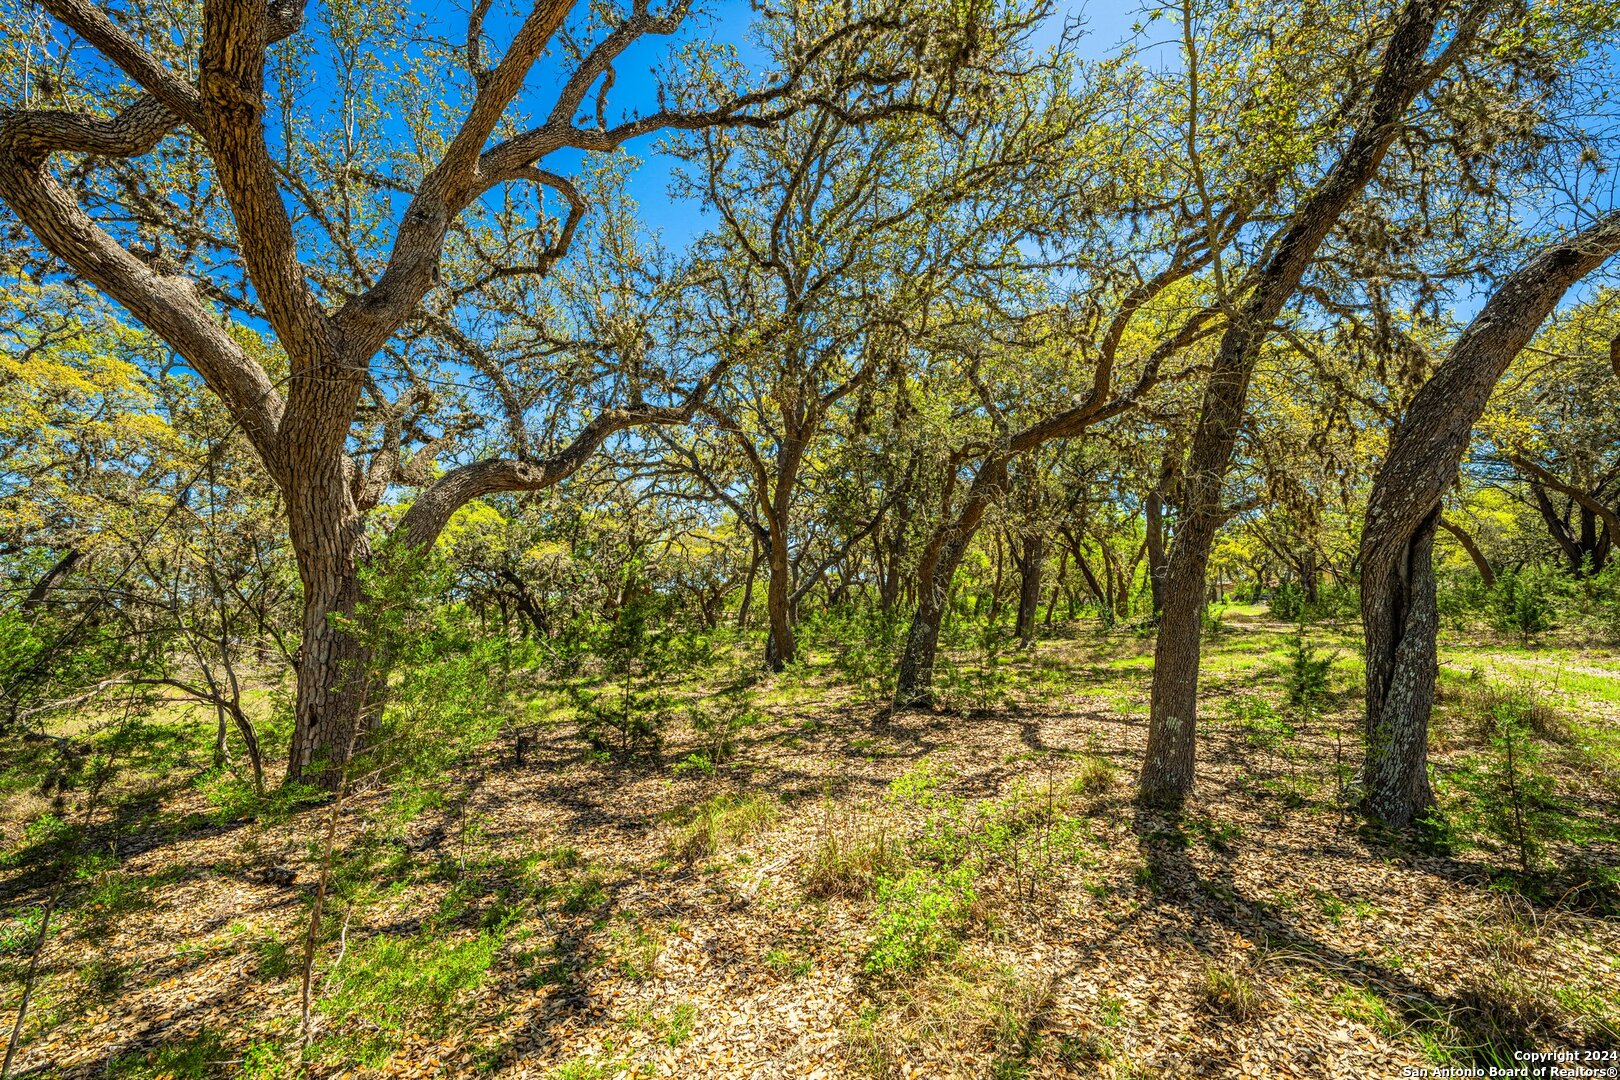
column 1424, row 77
column 1399, row 616
column 821, row 249
column 193, row 138
column 846, row 247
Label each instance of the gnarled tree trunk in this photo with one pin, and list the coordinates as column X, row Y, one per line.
column 914, row 683
column 1398, row 614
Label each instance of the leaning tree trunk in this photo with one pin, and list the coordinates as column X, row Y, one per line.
column 1030, row 560
column 1399, row 623
column 914, row 682
column 1397, row 541
column 1167, row 771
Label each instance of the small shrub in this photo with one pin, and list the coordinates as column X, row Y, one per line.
column 277, row 959
column 920, row 918
column 195, row 1057
column 1525, row 601
column 1506, row 793
column 918, row 785
column 1261, row 723
column 1307, row 675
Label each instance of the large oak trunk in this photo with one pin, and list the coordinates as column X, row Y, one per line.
column 1167, row 770
column 328, row 539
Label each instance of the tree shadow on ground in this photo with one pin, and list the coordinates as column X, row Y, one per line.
column 1478, row 1026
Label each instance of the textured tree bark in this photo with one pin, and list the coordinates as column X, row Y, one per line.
column 1058, row 586
column 914, row 682
column 328, row 541
column 776, row 503
column 1400, row 634
column 780, row 648
column 1167, row 769
column 748, row 586
column 1031, row 557
column 1398, row 614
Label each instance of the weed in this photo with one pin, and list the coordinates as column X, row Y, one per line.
column 786, row 965
column 637, row 949
column 1095, row 775
column 920, row 918
column 918, row 785
column 583, row 895
column 1230, row 993
column 849, row 858
column 195, row 1057
column 703, row 828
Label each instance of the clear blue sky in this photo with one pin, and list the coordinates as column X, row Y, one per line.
column 1107, row 22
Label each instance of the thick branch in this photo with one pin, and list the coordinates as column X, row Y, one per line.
column 1536, row 471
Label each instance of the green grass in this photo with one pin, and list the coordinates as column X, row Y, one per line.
column 704, row 828
column 193, row 1057
column 389, row 984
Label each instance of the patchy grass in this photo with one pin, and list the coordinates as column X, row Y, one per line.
column 850, row 855
column 963, row 894
column 971, row 1001
column 703, row 829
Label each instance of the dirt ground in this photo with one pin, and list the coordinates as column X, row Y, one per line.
column 1262, row 934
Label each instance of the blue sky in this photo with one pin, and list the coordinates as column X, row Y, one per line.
column 676, row 222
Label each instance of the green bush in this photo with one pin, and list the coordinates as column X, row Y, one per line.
column 1525, row 601
column 1287, row 602
column 920, row 918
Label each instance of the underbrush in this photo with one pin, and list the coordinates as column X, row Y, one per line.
column 703, row 829
column 970, row 1002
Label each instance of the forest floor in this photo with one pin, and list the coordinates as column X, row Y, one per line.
column 962, row 893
